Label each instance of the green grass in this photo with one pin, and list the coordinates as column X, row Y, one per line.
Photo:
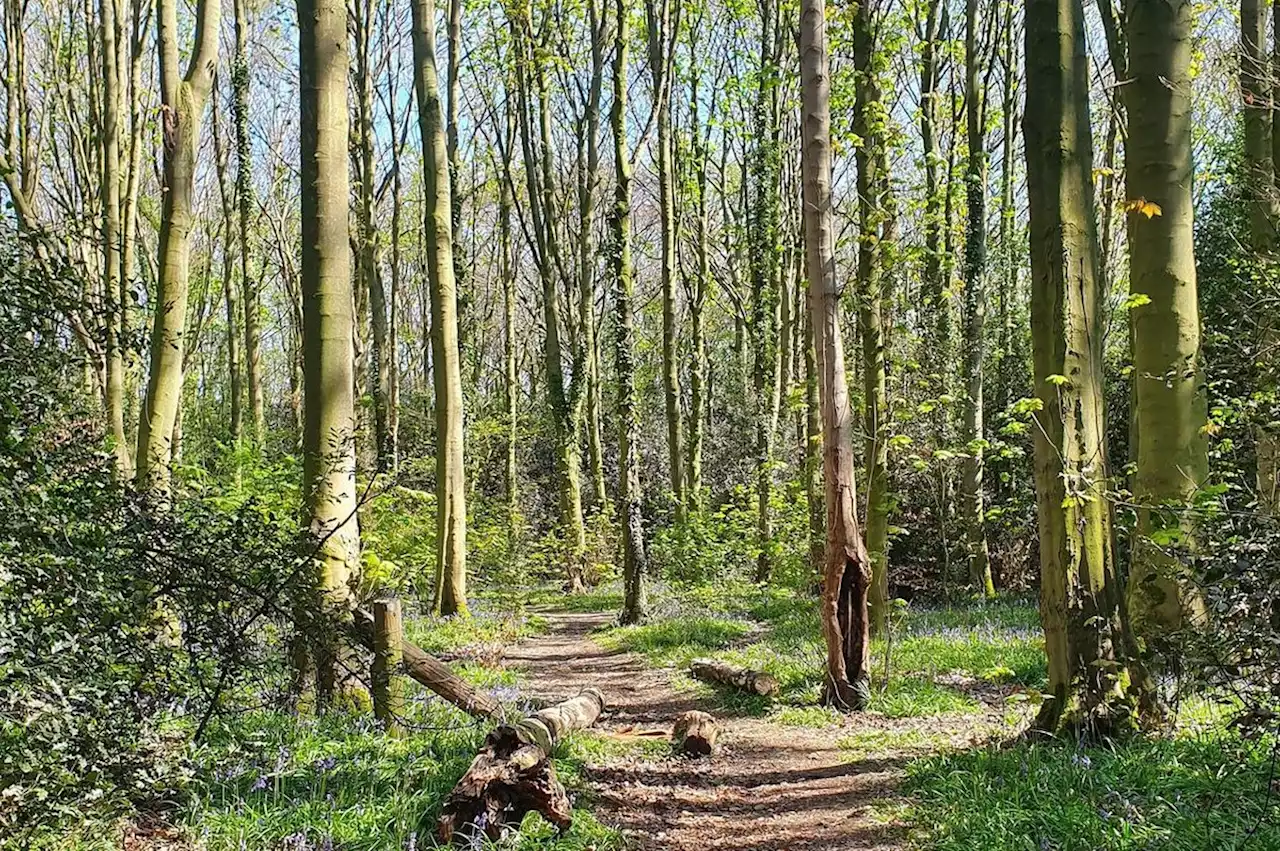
column 476, row 635
column 269, row 779
column 1210, row 791
column 777, row 630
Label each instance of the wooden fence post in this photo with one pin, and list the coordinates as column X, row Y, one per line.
column 388, row 684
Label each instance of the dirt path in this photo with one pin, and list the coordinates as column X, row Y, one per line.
column 768, row 788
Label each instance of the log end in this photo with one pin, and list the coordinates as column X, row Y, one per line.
column 695, row 733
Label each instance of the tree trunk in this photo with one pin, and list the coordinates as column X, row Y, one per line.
column 659, row 14
column 763, row 251
column 869, row 128
column 451, row 508
column 114, row 284
column 695, row 734
column 244, row 195
column 1170, row 412
column 1095, row 683
column 975, row 311
column 182, row 109
column 587, row 261
column 630, row 498
column 847, row 569
column 231, row 299
column 329, row 459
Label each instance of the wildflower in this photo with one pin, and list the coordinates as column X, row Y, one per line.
column 259, row 784
column 412, row 844
column 282, row 759
column 325, row 764
column 1081, row 760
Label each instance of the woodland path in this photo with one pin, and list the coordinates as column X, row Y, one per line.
column 769, row 787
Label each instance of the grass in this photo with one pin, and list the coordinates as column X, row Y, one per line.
column 273, row 780
column 938, row 656
column 1189, row 793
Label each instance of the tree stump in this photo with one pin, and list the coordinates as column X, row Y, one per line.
column 512, row 775
column 745, row 679
column 695, row 733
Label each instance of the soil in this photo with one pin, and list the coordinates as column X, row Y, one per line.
column 768, row 787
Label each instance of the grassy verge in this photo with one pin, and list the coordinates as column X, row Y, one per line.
column 1190, row 793
column 275, row 780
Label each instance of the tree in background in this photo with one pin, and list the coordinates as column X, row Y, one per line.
column 451, row 485
column 182, row 110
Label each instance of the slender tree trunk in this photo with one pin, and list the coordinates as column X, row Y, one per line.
column 634, row 563
column 869, row 128
column 182, row 109
column 1170, row 411
column 975, row 311
column 763, row 243
column 1263, row 201
column 587, row 260
column 697, row 303
column 245, row 198
column 1095, row 683
column 511, row 386
column 660, row 25
column 451, row 508
column 847, row 569
column 813, row 453
column 329, row 455
column 230, row 296
column 115, row 287
column 368, row 264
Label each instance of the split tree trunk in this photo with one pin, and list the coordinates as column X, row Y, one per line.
column 847, row 569
column 695, row 733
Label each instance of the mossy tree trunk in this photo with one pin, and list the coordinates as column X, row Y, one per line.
column 1095, row 681
column 870, row 117
column 634, row 562
column 245, row 199
column 1170, row 411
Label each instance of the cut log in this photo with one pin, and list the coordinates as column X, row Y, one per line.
column 746, row 679
column 695, row 733
column 512, row 775
column 430, row 671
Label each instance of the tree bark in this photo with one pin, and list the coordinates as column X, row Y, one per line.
column 182, row 109
column 451, row 508
column 245, row 198
column 329, row 460
column 847, row 569
column 975, row 310
column 630, row 497
column 1095, row 682
column 744, row 679
column 1171, row 409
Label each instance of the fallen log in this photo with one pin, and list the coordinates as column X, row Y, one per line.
column 512, row 775
column 731, row 675
column 430, row 671
column 695, row 733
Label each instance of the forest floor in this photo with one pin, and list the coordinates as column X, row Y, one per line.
column 769, row 786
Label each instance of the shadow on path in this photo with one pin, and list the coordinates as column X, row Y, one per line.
column 769, row 787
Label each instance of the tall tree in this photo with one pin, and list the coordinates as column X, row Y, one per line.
column 328, row 439
column 975, row 307
column 847, row 569
column 115, row 284
column 663, row 18
column 451, row 483
column 1095, row 681
column 230, row 296
column 869, row 125
column 588, row 178
column 245, row 202
column 1170, row 411
column 182, row 110
column 764, row 251
column 629, row 494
